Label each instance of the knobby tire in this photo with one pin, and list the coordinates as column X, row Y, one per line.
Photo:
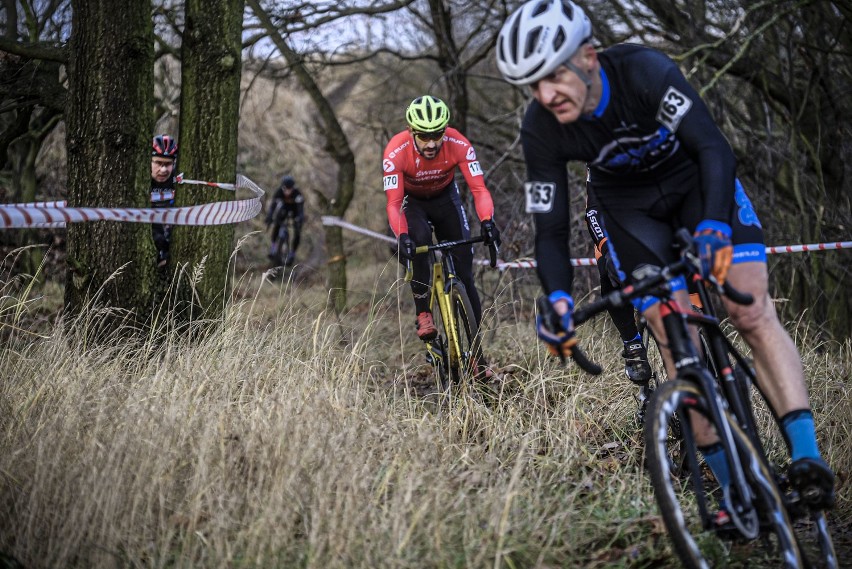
column 467, row 332
column 673, row 398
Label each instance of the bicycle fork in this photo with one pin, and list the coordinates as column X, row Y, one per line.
column 441, row 296
column 689, row 365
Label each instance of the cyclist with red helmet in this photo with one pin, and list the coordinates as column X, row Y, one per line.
column 163, row 158
column 419, row 180
column 657, row 162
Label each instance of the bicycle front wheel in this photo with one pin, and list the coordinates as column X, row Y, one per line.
column 282, row 247
column 697, row 540
column 463, row 338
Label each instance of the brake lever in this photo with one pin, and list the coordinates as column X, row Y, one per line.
column 493, row 251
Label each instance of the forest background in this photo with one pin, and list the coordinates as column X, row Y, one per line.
column 316, row 91
column 323, row 87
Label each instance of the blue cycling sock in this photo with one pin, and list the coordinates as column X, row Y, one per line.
column 637, row 338
column 714, row 456
column 801, row 434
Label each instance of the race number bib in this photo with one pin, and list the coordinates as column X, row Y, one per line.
column 391, row 182
column 673, row 106
column 539, row 196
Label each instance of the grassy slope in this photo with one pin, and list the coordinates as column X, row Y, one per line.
column 293, row 438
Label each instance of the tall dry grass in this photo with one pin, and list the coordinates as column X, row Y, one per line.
column 291, row 438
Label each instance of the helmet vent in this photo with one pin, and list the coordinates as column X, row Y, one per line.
column 541, row 8
column 514, row 43
column 532, row 41
column 568, row 9
column 559, row 39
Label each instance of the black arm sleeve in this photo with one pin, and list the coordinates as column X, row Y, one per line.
column 547, row 168
column 700, row 137
column 300, row 211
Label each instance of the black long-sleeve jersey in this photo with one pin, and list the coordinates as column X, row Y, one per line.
column 282, row 206
column 649, row 127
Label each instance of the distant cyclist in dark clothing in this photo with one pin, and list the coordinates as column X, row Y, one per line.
column 163, row 158
column 657, row 162
column 287, row 202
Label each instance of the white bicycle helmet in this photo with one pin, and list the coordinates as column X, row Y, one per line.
column 539, row 37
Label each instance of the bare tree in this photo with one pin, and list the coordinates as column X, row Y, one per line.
column 108, row 140
column 210, row 92
column 32, row 102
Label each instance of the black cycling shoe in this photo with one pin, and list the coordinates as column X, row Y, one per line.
column 813, row 479
column 636, row 365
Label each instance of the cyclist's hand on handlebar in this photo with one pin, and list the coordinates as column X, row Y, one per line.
column 406, row 246
column 712, row 242
column 554, row 323
column 490, row 233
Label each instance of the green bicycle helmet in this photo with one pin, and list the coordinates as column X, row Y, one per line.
column 427, row 114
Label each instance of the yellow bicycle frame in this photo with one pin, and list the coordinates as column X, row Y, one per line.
column 440, row 296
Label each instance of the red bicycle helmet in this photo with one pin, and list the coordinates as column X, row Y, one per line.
column 165, row 146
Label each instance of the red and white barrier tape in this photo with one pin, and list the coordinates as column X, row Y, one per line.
column 527, row 263
column 806, row 248
column 531, row 264
column 332, row 220
column 57, row 213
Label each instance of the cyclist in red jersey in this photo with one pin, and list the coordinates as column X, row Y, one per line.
column 419, row 167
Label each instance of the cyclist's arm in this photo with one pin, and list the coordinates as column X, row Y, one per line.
column 680, row 109
column 300, row 208
column 270, row 210
column 471, row 170
column 548, row 200
column 395, row 194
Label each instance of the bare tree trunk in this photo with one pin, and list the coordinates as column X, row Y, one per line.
column 450, row 62
column 210, row 91
column 337, row 144
column 108, row 143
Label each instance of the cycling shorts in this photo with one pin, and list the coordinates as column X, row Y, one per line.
column 641, row 221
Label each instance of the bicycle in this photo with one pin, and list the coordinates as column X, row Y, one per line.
column 280, row 252
column 702, row 304
column 458, row 344
column 760, row 500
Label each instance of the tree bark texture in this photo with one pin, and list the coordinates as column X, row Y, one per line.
column 210, row 96
column 108, row 142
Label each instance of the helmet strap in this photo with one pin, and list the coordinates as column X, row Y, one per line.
column 584, row 77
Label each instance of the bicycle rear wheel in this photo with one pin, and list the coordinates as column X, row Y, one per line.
column 465, row 329
column 697, row 542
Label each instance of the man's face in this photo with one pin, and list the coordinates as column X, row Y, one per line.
column 564, row 94
column 428, row 144
column 161, row 168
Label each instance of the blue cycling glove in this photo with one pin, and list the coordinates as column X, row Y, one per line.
column 557, row 331
column 712, row 240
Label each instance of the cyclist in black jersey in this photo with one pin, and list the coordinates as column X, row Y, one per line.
column 163, row 159
column 286, row 202
column 657, row 162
